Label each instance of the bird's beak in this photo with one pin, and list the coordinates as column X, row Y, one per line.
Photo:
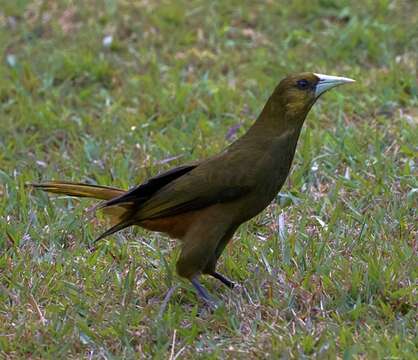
column 327, row 82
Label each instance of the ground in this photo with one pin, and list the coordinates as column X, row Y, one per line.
column 111, row 92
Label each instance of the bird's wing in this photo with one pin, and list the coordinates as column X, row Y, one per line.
column 143, row 192
column 213, row 181
column 202, row 186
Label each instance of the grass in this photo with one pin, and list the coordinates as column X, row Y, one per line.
column 113, row 92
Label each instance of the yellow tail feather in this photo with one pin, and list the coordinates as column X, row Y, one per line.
column 116, row 212
column 79, row 189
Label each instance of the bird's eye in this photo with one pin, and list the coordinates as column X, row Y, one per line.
column 302, row 84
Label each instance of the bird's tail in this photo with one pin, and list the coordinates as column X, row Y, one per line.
column 79, row 189
column 118, row 214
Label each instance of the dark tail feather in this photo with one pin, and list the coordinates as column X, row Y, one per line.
column 113, row 229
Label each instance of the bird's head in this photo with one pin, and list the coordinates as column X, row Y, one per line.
column 297, row 93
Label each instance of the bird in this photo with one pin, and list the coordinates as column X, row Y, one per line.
column 204, row 202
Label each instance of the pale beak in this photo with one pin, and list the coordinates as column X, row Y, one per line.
column 327, row 82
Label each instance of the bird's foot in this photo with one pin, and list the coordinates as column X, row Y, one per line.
column 204, row 295
column 223, row 279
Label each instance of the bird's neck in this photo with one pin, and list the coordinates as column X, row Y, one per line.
column 277, row 122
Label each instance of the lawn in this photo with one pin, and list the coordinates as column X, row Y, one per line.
column 112, row 92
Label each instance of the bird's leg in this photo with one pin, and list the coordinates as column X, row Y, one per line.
column 223, row 279
column 210, row 268
column 203, row 293
column 167, row 298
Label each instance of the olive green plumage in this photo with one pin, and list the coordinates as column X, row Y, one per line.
column 204, row 203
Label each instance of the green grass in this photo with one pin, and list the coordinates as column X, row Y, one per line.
column 338, row 279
